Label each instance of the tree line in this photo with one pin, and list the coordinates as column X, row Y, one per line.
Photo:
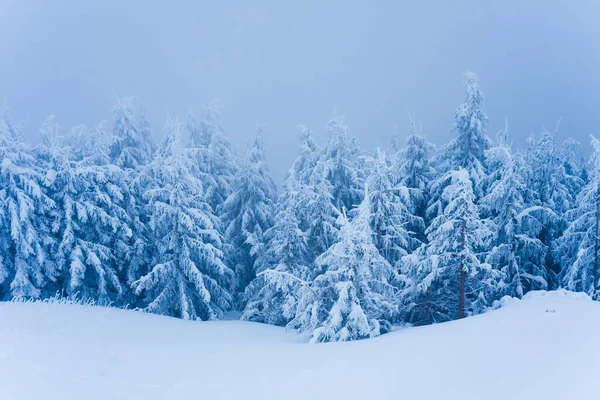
column 352, row 244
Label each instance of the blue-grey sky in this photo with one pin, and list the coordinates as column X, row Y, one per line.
column 283, row 63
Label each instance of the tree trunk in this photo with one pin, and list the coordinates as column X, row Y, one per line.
column 428, row 307
column 461, row 284
column 596, row 244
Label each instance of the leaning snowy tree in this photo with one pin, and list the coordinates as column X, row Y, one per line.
column 26, row 240
column 445, row 278
column 579, row 247
column 189, row 278
column 353, row 298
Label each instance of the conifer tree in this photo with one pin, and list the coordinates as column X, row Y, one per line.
column 342, row 157
column 414, row 174
column 389, row 213
column 248, row 212
column 131, row 149
column 90, row 224
column 353, row 298
column 578, row 250
column 215, row 160
column 285, row 262
column 445, row 278
column 548, row 195
column 514, row 249
column 188, row 278
column 26, row 264
column 468, row 148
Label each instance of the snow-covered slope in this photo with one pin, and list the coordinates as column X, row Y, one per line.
column 542, row 347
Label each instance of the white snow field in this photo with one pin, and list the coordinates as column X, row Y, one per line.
column 542, row 347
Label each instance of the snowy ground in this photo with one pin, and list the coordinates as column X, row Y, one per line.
column 542, row 347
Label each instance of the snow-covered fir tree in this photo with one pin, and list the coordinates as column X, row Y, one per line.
column 305, row 226
column 317, row 212
column 354, row 297
column 131, row 149
column 188, row 278
column 285, row 262
column 89, row 222
column 547, row 195
column 26, row 240
column 131, row 145
column 445, row 279
column 353, row 243
column 342, row 156
column 306, row 163
column 578, row 249
column 514, row 248
column 467, row 149
column 215, row 160
column 389, row 213
column 413, row 173
column 248, row 212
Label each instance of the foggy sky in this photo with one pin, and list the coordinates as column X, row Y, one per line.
column 282, row 63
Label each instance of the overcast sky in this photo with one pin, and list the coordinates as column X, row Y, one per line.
column 282, row 63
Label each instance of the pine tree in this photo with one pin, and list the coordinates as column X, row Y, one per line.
column 131, row 149
column 131, row 145
column 353, row 298
column 304, row 166
column 90, row 224
column 214, row 158
column 389, row 212
column 317, row 213
column 285, row 262
column 578, row 250
column 445, row 278
column 26, row 266
column 305, row 226
column 414, row 173
column 189, row 278
column 467, row 150
column 548, row 195
column 514, row 249
column 248, row 212
column 342, row 157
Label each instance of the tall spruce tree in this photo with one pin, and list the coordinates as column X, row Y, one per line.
column 248, row 212
column 90, row 225
column 445, row 278
column 188, row 278
column 272, row 296
column 26, row 264
column 467, row 150
column 389, row 213
column 342, row 156
column 353, row 298
column 414, row 173
column 548, row 195
column 131, row 149
column 514, row 248
column 578, row 249
column 213, row 154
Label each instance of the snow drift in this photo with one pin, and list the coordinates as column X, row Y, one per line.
column 541, row 347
